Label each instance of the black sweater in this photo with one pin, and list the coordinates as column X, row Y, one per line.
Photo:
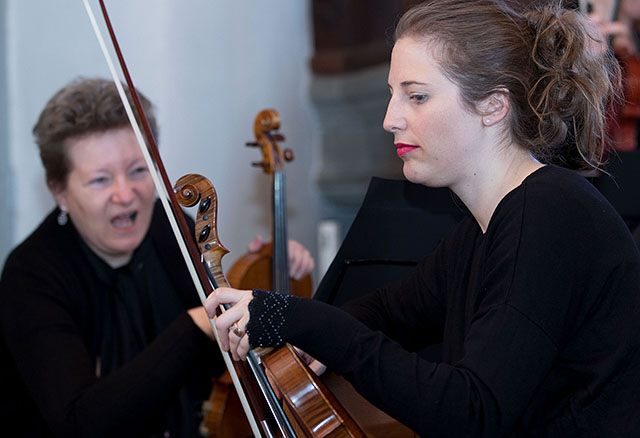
column 539, row 320
column 51, row 328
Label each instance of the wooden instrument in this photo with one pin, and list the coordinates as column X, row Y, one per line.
column 268, row 269
column 625, row 135
column 307, row 411
column 292, row 378
column 624, row 127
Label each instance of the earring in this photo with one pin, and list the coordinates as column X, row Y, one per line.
column 63, row 218
column 487, row 121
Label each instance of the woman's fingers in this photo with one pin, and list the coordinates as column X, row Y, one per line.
column 238, row 345
column 238, row 333
column 301, row 262
column 224, row 295
column 255, row 244
column 229, row 319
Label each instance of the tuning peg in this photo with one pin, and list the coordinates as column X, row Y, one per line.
column 278, row 137
column 251, row 144
column 288, row 155
column 259, row 164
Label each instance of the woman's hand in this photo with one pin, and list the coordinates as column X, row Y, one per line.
column 232, row 323
column 200, row 318
column 300, row 261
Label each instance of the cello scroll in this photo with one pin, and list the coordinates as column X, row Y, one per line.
column 189, row 190
column 273, row 157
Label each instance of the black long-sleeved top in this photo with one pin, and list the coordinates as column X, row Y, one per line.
column 53, row 325
column 538, row 316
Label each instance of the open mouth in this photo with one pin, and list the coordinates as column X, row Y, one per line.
column 124, row 220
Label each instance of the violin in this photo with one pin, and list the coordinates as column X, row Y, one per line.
column 307, row 409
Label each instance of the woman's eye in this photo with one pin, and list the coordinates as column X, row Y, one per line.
column 418, row 98
column 139, row 172
column 99, row 181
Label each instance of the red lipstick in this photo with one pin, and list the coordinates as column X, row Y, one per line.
column 403, row 148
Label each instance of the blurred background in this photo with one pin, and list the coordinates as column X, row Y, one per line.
column 210, row 67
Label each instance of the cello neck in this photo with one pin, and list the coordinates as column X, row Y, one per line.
column 280, row 265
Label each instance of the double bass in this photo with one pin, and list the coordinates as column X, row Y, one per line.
column 307, row 409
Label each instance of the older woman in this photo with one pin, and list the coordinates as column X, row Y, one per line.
column 535, row 295
column 102, row 331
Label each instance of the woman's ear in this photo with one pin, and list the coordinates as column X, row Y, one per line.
column 59, row 193
column 495, row 107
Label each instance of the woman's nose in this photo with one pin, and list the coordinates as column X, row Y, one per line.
column 123, row 192
column 393, row 121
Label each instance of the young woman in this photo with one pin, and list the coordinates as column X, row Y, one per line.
column 102, row 332
column 535, row 294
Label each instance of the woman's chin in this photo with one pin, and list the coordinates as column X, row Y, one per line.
column 420, row 177
column 123, row 248
column 411, row 175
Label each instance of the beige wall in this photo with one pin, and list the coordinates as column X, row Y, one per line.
column 6, row 222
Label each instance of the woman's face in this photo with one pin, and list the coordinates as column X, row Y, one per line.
column 434, row 134
column 109, row 193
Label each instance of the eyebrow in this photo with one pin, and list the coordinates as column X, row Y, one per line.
column 408, row 83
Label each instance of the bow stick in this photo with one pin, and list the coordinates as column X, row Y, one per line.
column 201, row 278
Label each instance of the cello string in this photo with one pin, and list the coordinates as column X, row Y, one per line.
column 281, row 258
column 253, row 360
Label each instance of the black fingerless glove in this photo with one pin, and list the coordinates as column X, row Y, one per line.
column 268, row 317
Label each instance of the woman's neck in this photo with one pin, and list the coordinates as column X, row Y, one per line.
column 485, row 188
column 114, row 261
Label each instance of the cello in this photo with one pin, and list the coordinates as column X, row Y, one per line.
column 269, row 267
column 308, row 410
column 266, row 269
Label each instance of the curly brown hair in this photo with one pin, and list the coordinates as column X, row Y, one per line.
column 83, row 107
column 560, row 89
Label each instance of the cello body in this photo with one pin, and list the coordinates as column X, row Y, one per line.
column 253, row 271
column 222, row 413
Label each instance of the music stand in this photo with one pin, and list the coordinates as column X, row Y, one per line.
column 397, row 224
